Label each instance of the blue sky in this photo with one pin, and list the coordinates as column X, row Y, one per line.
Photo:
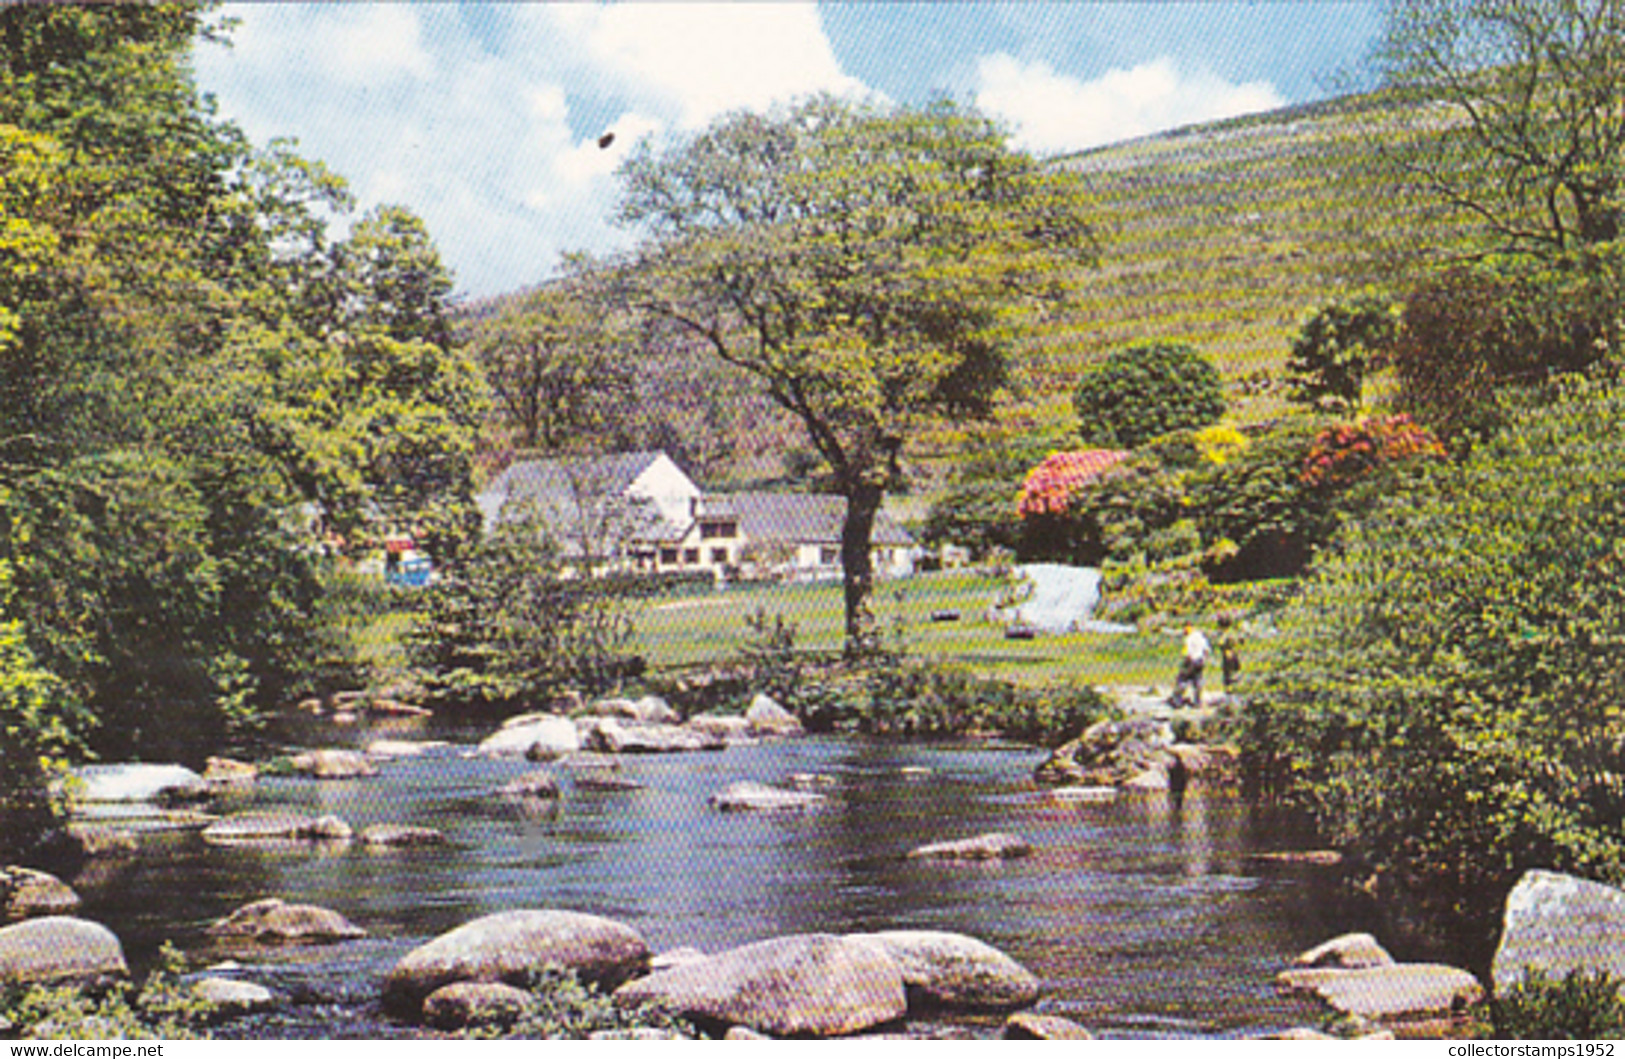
column 484, row 118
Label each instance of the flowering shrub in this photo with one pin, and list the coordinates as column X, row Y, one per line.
column 1050, row 486
column 1346, row 453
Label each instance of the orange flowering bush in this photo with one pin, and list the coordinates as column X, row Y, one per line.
column 1050, row 486
column 1343, row 454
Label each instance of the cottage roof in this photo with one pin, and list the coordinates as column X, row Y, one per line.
column 804, row 519
column 565, row 493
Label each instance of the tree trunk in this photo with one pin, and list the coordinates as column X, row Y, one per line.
column 857, row 572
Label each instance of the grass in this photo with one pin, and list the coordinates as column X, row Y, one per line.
column 711, row 627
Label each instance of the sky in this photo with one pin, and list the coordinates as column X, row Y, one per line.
column 485, row 118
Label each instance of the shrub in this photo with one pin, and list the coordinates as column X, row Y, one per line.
column 510, row 627
column 1058, row 521
column 1259, row 501
column 1337, row 346
column 1443, row 697
column 1145, row 391
column 1583, row 1005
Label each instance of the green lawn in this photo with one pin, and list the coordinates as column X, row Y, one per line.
column 711, row 627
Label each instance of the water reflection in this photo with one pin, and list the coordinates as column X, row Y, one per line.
column 1140, row 915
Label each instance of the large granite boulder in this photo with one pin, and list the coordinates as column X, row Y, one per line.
column 511, row 947
column 59, row 950
column 1395, row 992
column 946, row 970
column 333, row 764
column 612, row 736
column 463, row 1004
column 767, row 717
column 534, row 736
column 995, row 845
column 1110, row 753
column 26, row 893
column 274, row 921
column 1559, row 923
column 805, row 984
column 746, row 796
column 138, row 783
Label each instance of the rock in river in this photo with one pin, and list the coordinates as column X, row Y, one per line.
column 275, row 921
column 463, row 1004
column 746, row 795
column 1560, row 923
column 946, row 970
column 275, row 826
column 512, row 946
column 1348, row 951
column 767, row 717
column 536, row 736
column 398, row 836
column 995, row 845
column 138, row 783
column 1027, row 1026
column 1389, row 993
column 803, row 984
column 333, row 764
column 59, row 949
column 613, row 736
column 25, row 893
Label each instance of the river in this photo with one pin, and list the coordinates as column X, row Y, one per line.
column 1141, row 918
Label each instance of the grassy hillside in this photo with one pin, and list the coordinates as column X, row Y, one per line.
column 1223, row 235
column 1226, row 236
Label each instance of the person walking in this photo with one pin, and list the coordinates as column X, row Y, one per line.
column 1229, row 650
column 1191, row 664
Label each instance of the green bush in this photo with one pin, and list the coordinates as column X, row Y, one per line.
column 932, row 699
column 1336, row 348
column 1146, row 391
column 510, row 627
column 1260, row 502
column 1444, row 696
column 1583, row 1005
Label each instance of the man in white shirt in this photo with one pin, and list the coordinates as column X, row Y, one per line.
column 1190, row 668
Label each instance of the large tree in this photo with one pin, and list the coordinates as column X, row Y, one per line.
column 866, row 264
column 556, row 364
column 1528, row 130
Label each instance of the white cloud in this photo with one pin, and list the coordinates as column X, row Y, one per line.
column 483, row 133
column 367, row 43
column 708, row 58
column 1052, row 113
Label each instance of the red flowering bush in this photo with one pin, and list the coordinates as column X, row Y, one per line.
column 1346, row 453
column 1050, row 486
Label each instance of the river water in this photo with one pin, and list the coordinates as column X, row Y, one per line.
column 1141, row 918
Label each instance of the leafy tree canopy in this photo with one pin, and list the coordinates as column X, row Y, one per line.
column 866, row 264
column 1145, row 391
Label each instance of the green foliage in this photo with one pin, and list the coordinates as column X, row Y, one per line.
column 978, row 510
column 770, row 652
column 868, row 265
column 1538, row 91
column 556, row 363
column 1444, row 696
column 37, row 730
column 160, row 1008
column 1582, row 1005
column 192, row 378
column 1471, row 337
column 918, row 698
column 1337, row 347
column 510, row 627
column 1260, row 502
column 564, row 1008
column 1146, row 391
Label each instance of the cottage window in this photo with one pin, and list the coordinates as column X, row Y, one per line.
column 691, row 556
column 668, row 557
column 712, row 530
column 829, row 556
column 719, row 555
